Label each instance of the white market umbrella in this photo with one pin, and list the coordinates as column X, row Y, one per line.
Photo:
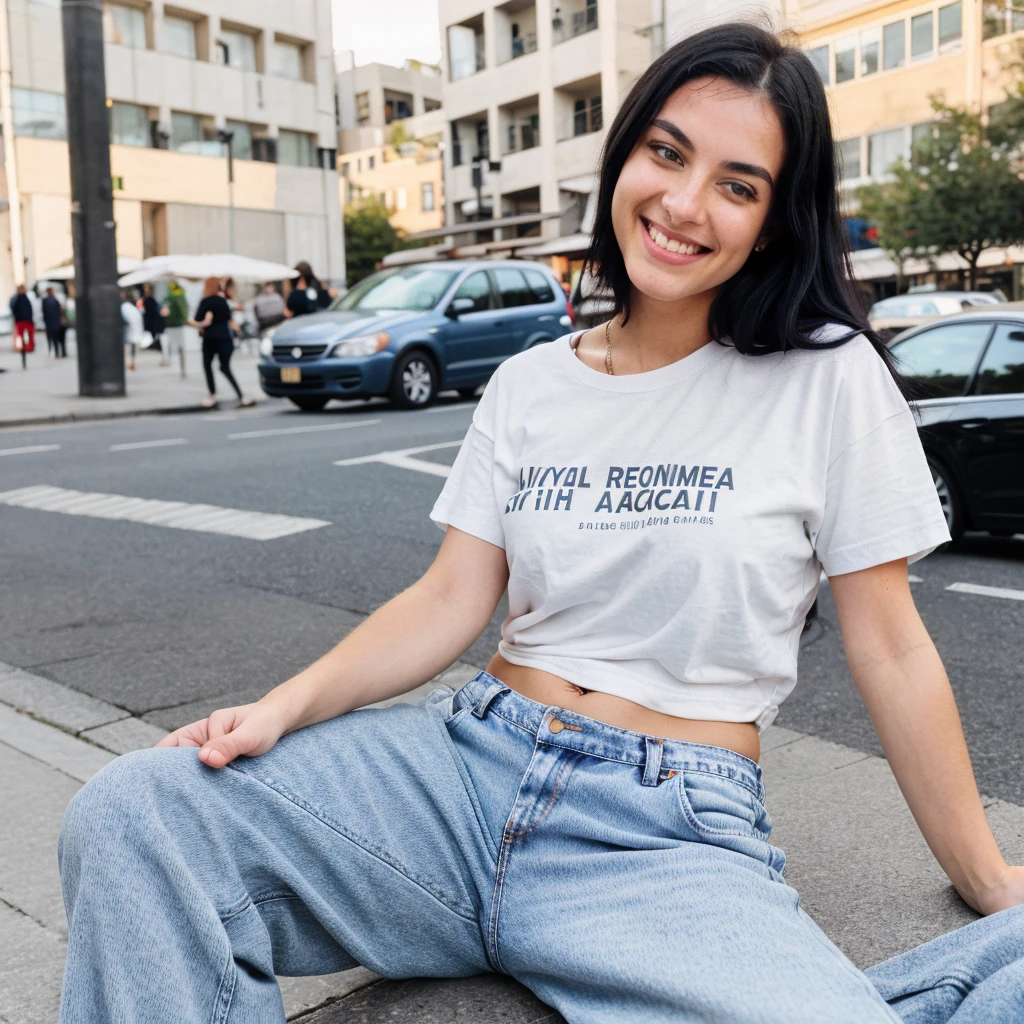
column 197, row 268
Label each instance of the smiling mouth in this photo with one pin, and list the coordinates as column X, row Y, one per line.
column 662, row 241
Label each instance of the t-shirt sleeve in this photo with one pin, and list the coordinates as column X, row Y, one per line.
column 880, row 500
column 469, row 499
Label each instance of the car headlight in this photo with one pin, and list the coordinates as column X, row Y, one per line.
column 267, row 346
column 365, row 345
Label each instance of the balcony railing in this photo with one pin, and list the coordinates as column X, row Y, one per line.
column 523, row 45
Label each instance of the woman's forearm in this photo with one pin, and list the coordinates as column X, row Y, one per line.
column 915, row 715
column 402, row 644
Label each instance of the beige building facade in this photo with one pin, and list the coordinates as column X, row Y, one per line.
column 176, row 77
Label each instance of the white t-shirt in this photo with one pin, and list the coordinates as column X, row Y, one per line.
column 665, row 531
column 131, row 315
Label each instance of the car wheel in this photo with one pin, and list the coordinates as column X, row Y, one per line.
column 467, row 393
column 414, row 384
column 949, row 498
column 310, row 404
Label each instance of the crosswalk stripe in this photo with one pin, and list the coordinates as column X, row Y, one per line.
column 402, row 459
column 982, row 591
column 176, row 515
column 316, row 429
column 165, row 442
column 30, row 449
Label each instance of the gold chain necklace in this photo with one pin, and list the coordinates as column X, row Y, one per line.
column 608, row 349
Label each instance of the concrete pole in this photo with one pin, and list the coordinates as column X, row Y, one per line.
column 98, row 323
column 10, row 154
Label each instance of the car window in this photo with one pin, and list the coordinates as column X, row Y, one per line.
column 412, row 288
column 941, row 359
column 477, row 288
column 539, row 285
column 1002, row 369
column 513, row 287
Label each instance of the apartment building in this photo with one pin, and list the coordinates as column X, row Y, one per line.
column 529, row 86
column 181, row 80
column 390, row 131
column 881, row 63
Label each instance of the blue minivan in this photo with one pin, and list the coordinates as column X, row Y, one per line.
column 409, row 332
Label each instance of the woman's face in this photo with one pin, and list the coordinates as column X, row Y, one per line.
column 692, row 199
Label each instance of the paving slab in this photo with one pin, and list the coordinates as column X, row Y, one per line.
column 33, row 967
column 42, row 698
column 74, row 757
column 125, row 735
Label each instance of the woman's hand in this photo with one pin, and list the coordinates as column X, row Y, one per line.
column 249, row 730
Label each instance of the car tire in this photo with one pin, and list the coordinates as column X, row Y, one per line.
column 414, row 382
column 949, row 498
column 310, row 403
column 467, row 393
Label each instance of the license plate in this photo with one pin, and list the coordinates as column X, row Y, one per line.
column 291, row 374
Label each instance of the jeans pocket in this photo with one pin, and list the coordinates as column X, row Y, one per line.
column 715, row 808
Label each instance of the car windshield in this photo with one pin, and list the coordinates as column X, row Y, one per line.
column 410, row 288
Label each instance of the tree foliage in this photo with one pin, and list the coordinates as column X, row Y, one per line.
column 369, row 237
column 961, row 192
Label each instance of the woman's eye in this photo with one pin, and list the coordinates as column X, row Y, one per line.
column 665, row 152
column 741, row 190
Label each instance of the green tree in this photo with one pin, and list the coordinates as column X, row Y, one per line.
column 962, row 192
column 369, row 237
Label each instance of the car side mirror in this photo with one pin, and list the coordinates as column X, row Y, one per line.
column 457, row 306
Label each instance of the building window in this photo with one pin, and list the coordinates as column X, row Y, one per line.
column 848, row 153
column 239, row 49
column 124, row 26
column 397, row 107
column 922, row 43
column 575, row 23
column 430, row 104
column 918, row 133
column 180, row 37
column 286, row 60
column 241, row 140
column 870, row 39
column 819, row 58
column 344, row 170
column 370, row 161
column 894, row 45
column 950, row 27
column 185, row 134
column 427, row 196
column 362, row 107
column 524, row 132
column 401, row 198
column 846, row 59
column 586, row 115
column 884, row 149
column 295, row 148
column 129, row 125
column 39, row 114
column 465, row 49
column 456, row 146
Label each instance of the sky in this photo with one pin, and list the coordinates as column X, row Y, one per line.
column 388, row 31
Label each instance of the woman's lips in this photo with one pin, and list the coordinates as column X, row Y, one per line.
column 669, row 250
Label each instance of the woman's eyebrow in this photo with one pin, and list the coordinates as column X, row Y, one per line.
column 732, row 165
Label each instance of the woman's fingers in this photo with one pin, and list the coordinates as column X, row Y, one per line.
column 221, row 750
column 193, row 735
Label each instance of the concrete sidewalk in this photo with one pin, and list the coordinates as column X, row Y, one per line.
column 47, row 392
column 855, row 855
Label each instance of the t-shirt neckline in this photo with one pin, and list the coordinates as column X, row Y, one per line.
column 649, row 380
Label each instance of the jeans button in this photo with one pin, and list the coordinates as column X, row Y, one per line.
column 555, row 725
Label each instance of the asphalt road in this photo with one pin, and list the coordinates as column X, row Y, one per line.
column 172, row 623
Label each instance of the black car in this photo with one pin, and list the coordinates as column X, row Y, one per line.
column 968, row 372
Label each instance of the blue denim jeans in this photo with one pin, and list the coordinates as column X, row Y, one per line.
column 619, row 876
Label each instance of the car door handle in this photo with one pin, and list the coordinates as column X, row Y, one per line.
column 499, row 323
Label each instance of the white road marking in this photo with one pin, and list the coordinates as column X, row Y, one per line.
column 301, row 430
column 30, row 449
column 166, row 442
column 402, row 459
column 176, row 515
column 977, row 588
column 454, row 407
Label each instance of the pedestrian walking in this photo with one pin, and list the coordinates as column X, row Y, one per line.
column 320, row 296
column 301, row 299
column 213, row 320
column 24, row 324
column 153, row 320
column 131, row 316
column 56, row 325
column 268, row 307
column 175, row 314
column 657, row 496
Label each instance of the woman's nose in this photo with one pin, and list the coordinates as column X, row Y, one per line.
column 685, row 204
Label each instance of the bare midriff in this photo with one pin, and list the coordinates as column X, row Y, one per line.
column 547, row 688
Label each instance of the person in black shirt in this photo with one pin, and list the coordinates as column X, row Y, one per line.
column 153, row 320
column 299, row 303
column 56, row 325
column 24, row 324
column 320, row 296
column 213, row 320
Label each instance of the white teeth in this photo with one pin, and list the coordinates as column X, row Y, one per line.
column 671, row 244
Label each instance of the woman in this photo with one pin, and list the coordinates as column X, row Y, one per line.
column 213, row 321
column 131, row 318
column 153, row 320
column 659, row 496
column 320, row 297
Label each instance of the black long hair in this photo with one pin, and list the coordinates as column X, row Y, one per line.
column 801, row 281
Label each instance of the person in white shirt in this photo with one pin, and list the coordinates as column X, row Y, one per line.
column 131, row 317
column 658, row 497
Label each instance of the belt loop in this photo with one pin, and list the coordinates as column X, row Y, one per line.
column 492, row 691
column 652, row 766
